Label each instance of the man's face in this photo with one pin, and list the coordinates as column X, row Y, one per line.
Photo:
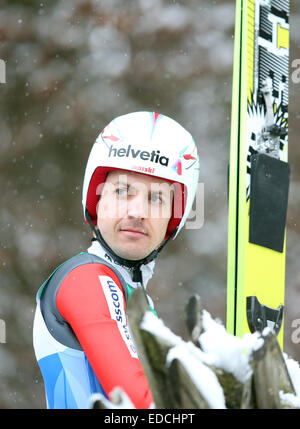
column 133, row 213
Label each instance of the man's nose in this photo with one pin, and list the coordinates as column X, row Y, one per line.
column 138, row 206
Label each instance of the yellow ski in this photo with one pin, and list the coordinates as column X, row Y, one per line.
column 258, row 171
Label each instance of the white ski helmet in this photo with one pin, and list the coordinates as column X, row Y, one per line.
column 148, row 143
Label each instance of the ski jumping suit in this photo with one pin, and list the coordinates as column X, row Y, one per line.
column 81, row 338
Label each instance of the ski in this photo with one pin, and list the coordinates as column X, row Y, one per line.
column 258, row 168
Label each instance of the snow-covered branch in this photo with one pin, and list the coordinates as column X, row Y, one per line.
column 213, row 369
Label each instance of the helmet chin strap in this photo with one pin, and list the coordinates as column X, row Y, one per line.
column 134, row 265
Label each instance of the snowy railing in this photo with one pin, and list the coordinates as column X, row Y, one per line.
column 212, row 370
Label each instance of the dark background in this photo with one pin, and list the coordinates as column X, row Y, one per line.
column 72, row 66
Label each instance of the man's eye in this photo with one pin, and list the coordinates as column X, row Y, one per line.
column 121, row 192
column 155, row 198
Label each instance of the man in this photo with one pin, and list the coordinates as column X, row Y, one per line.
column 139, row 186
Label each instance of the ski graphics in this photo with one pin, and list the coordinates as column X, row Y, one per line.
column 258, row 170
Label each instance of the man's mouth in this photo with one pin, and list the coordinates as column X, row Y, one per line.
column 133, row 231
